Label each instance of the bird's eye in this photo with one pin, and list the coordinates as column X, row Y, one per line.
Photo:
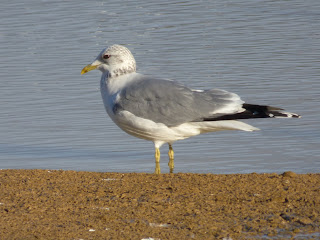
column 106, row 56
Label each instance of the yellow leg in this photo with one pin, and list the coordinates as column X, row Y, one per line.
column 171, row 158
column 157, row 157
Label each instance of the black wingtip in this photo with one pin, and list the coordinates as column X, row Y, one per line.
column 256, row 111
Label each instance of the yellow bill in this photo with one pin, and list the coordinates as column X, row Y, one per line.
column 88, row 68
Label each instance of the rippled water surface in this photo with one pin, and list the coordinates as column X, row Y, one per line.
column 266, row 51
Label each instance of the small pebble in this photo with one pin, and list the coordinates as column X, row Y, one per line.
column 289, row 174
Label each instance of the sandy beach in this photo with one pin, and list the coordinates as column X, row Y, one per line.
column 56, row 204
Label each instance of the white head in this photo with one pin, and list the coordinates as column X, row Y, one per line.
column 116, row 60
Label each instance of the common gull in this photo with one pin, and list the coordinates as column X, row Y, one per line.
column 164, row 111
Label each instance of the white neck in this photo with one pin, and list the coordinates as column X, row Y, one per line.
column 115, row 84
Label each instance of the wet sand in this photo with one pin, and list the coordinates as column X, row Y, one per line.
column 48, row 204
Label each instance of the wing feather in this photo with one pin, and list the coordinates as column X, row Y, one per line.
column 172, row 104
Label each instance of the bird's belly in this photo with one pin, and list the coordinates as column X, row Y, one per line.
column 145, row 128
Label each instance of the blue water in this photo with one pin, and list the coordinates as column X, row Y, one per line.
column 266, row 51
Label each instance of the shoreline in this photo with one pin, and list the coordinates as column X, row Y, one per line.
column 59, row 204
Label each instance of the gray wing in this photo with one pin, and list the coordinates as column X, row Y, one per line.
column 170, row 103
